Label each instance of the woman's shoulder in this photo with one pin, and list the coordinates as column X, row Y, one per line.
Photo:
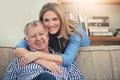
column 84, row 40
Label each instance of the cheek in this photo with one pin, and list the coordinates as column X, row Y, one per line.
column 46, row 25
column 47, row 39
column 31, row 42
column 59, row 27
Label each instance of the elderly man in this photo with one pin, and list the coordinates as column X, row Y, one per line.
column 37, row 38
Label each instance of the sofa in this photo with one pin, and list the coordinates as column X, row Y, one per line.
column 95, row 62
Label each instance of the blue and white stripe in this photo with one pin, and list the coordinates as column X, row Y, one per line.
column 28, row 72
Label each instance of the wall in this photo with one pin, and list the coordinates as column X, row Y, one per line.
column 102, row 9
column 14, row 14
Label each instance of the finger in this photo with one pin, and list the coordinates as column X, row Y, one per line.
column 22, row 59
column 59, row 70
column 23, row 62
column 56, row 69
column 52, row 69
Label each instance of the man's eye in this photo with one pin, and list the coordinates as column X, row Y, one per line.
column 41, row 34
column 32, row 36
column 46, row 20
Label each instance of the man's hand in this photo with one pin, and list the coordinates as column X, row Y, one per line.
column 52, row 66
column 27, row 58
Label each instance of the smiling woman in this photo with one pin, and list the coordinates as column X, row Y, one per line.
column 65, row 38
column 52, row 22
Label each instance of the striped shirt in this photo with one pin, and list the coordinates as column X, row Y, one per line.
column 31, row 70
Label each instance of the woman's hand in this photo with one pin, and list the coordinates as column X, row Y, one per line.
column 52, row 66
column 27, row 58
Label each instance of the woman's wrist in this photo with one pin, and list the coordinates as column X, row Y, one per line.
column 37, row 55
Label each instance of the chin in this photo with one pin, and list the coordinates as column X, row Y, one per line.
column 52, row 32
column 41, row 48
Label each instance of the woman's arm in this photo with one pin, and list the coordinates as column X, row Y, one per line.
column 50, row 57
column 71, row 49
column 32, row 56
column 70, row 53
column 19, row 52
column 52, row 66
column 73, row 46
column 22, row 51
column 21, row 48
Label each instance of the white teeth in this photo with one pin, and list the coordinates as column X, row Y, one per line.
column 52, row 27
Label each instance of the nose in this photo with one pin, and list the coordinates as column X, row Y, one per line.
column 38, row 37
column 51, row 23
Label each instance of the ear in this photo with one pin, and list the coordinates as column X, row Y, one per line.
column 26, row 38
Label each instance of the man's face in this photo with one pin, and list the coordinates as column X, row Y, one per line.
column 37, row 38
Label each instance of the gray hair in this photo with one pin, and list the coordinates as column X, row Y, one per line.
column 33, row 23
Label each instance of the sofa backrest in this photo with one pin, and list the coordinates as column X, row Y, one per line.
column 99, row 62
column 6, row 54
column 95, row 62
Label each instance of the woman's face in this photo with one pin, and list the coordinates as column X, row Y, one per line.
column 51, row 22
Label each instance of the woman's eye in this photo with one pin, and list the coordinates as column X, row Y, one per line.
column 54, row 19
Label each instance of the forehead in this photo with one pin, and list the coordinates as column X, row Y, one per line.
column 51, row 13
column 38, row 27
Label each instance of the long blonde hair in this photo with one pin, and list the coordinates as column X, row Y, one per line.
column 67, row 28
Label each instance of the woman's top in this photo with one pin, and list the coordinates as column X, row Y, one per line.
column 75, row 41
column 54, row 43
